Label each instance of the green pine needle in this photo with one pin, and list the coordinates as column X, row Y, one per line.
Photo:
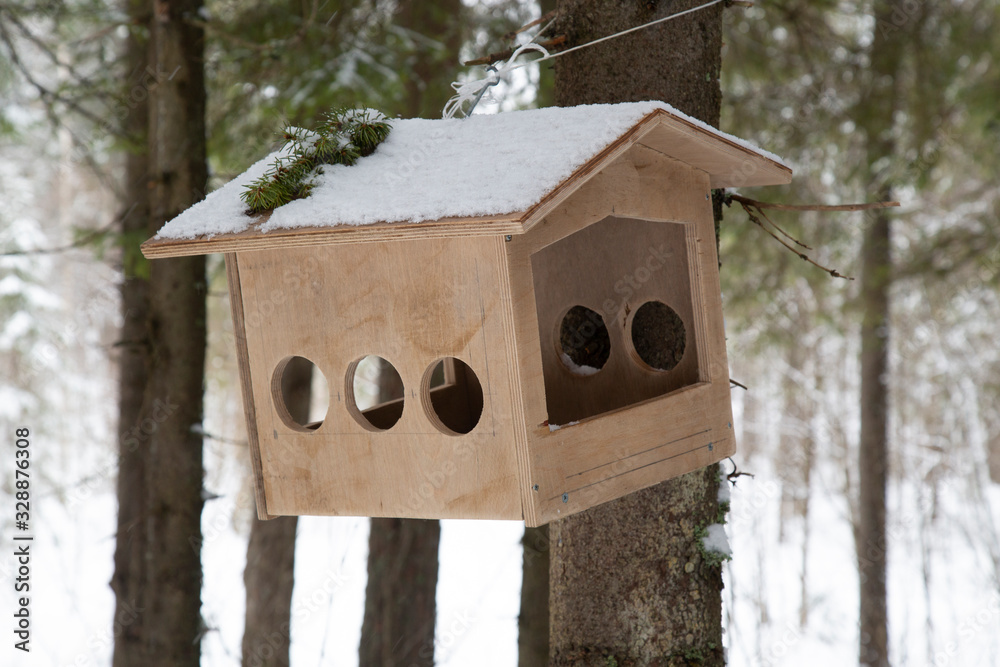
column 343, row 137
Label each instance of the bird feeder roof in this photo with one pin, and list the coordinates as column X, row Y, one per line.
column 487, row 174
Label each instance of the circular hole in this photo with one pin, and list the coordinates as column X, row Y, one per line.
column 584, row 345
column 658, row 335
column 452, row 396
column 301, row 394
column 375, row 393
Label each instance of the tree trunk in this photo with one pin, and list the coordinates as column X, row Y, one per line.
column 133, row 359
column 173, row 399
column 882, row 102
column 269, row 578
column 398, row 627
column 628, row 583
column 873, row 454
column 269, row 575
column 533, row 621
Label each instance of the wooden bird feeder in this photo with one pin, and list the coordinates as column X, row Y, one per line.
column 544, row 282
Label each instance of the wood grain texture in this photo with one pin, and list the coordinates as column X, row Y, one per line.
column 254, row 239
column 412, row 303
column 246, row 381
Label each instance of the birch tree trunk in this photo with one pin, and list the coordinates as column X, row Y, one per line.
column 173, row 398
column 628, row 584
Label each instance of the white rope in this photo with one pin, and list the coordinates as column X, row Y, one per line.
column 471, row 90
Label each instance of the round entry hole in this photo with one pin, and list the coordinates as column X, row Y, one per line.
column 584, row 344
column 452, row 396
column 374, row 392
column 658, row 335
column 301, row 394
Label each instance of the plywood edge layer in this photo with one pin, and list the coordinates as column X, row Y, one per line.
column 246, row 383
column 254, row 239
column 521, row 445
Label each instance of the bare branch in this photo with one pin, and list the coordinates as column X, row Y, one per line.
column 760, row 205
column 89, row 237
column 514, row 33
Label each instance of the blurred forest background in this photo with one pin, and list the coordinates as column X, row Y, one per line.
column 796, row 79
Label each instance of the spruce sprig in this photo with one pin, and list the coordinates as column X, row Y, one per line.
column 343, row 136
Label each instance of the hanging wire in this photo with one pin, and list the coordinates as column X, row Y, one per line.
column 475, row 89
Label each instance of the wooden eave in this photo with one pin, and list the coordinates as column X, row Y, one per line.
column 728, row 164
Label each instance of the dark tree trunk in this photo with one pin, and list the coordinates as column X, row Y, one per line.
column 133, row 358
column 269, row 579
column 628, row 583
column 533, row 621
column 270, row 570
column 881, row 104
column 873, row 454
column 398, row 627
column 173, row 398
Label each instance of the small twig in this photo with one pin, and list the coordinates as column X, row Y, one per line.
column 783, row 232
column 833, row 272
column 219, row 438
column 752, row 205
column 514, row 33
column 736, row 474
column 809, row 207
column 738, row 384
column 504, row 55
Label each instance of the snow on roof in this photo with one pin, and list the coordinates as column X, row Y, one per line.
column 484, row 165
